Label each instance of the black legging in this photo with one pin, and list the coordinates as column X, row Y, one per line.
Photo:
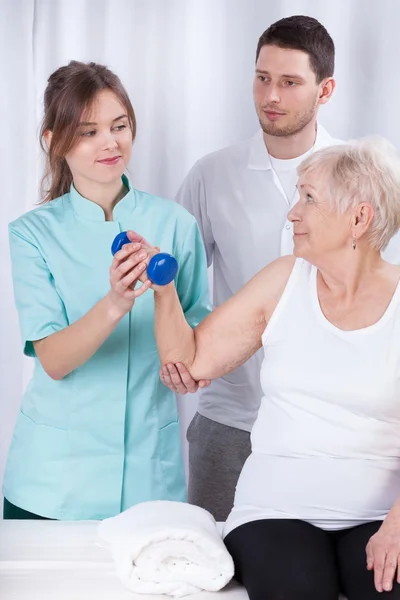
column 285, row 559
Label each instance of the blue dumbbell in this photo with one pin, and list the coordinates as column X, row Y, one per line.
column 162, row 267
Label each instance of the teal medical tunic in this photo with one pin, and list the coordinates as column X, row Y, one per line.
column 106, row 436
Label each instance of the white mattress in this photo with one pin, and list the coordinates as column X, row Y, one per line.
column 53, row 560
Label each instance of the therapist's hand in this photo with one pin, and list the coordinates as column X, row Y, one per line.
column 151, row 250
column 383, row 553
column 178, row 379
column 127, row 269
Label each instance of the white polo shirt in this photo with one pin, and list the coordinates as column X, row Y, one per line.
column 241, row 198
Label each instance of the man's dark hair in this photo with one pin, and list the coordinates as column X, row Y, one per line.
column 306, row 34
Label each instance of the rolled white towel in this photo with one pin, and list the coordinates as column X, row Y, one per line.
column 169, row 548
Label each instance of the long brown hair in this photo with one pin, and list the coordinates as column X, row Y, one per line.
column 71, row 90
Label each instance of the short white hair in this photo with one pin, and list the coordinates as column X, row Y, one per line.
column 365, row 170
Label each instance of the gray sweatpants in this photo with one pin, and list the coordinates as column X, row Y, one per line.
column 217, row 454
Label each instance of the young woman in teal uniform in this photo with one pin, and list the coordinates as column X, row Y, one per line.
column 97, row 431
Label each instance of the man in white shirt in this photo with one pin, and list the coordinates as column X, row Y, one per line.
column 240, row 197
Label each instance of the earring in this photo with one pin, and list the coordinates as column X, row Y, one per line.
column 354, row 244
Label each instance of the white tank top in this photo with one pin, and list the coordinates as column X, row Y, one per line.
column 326, row 442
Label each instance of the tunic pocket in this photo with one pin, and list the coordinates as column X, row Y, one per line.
column 35, row 464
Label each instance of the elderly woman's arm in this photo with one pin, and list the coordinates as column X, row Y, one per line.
column 230, row 335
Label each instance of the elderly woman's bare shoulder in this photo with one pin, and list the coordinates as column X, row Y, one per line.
column 281, row 267
column 266, row 288
column 278, row 271
column 261, row 294
column 274, row 277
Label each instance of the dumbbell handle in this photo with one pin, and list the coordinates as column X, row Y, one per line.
column 162, row 267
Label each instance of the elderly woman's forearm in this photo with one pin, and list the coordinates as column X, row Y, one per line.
column 175, row 338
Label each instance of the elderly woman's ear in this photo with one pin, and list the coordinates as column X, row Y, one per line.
column 363, row 215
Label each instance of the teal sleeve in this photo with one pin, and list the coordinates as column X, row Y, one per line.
column 40, row 309
column 192, row 281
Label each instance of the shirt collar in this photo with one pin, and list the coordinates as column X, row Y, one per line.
column 92, row 211
column 259, row 159
column 323, row 139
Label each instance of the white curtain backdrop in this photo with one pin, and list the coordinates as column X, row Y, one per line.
column 188, row 66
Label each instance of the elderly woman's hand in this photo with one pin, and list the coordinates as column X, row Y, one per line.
column 383, row 553
column 150, row 250
column 178, row 379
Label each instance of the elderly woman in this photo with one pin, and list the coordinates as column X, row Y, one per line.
column 317, row 507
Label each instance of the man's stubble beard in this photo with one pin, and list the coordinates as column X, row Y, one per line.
column 299, row 123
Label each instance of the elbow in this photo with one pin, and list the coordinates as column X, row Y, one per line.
column 50, row 366
column 56, row 376
column 200, row 373
column 173, row 359
column 53, row 373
